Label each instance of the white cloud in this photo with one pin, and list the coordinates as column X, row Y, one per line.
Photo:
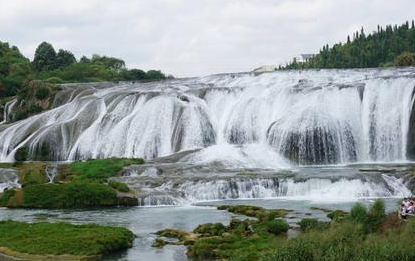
column 189, row 37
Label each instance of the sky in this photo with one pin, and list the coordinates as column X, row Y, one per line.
column 193, row 37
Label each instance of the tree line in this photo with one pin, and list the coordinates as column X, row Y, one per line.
column 388, row 46
column 61, row 67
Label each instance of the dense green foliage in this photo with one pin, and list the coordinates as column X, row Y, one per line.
column 63, row 238
column 70, row 195
column 45, row 57
column 393, row 45
column 16, row 71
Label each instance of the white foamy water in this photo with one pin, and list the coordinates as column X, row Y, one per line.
column 315, row 189
column 270, row 121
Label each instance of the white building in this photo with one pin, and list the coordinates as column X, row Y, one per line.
column 303, row 58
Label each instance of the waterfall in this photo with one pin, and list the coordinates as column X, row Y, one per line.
column 8, row 179
column 297, row 117
column 51, row 172
column 8, row 107
column 319, row 189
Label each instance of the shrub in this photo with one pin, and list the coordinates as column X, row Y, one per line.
column 42, row 93
column 405, row 59
column 276, row 226
column 375, row 217
column 119, row 186
column 358, row 213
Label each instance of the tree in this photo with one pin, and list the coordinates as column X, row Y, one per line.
column 45, row 57
column 133, row 74
column 84, row 59
column 405, row 59
column 64, row 58
column 155, row 75
column 109, row 62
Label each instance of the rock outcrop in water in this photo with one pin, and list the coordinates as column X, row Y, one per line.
column 308, row 117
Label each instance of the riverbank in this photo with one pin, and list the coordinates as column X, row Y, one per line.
column 145, row 221
column 362, row 234
column 61, row 241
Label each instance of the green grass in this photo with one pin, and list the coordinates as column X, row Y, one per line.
column 97, row 169
column 63, row 238
column 254, row 211
column 70, row 195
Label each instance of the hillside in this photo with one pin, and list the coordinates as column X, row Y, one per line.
column 388, row 46
column 17, row 71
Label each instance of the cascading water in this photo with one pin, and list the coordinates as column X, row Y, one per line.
column 273, row 121
column 51, row 172
column 308, row 117
column 8, row 179
column 8, row 107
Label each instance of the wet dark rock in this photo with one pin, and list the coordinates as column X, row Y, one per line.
column 410, row 149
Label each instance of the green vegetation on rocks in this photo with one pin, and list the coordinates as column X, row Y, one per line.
column 361, row 235
column 70, row 195
column 78, row 185
column 61, row 241
column 257, row 212
column 240, row 240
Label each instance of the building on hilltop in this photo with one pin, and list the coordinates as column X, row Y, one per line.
column 303, row 58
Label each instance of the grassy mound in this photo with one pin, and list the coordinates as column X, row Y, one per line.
column 63, row 238
column 257, row 212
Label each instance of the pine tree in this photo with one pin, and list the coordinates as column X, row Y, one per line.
column 379, row 48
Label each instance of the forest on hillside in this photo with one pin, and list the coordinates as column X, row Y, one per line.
column 17, row 72
column 388, row 46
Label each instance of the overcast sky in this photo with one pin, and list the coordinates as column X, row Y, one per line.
column 193, row 37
